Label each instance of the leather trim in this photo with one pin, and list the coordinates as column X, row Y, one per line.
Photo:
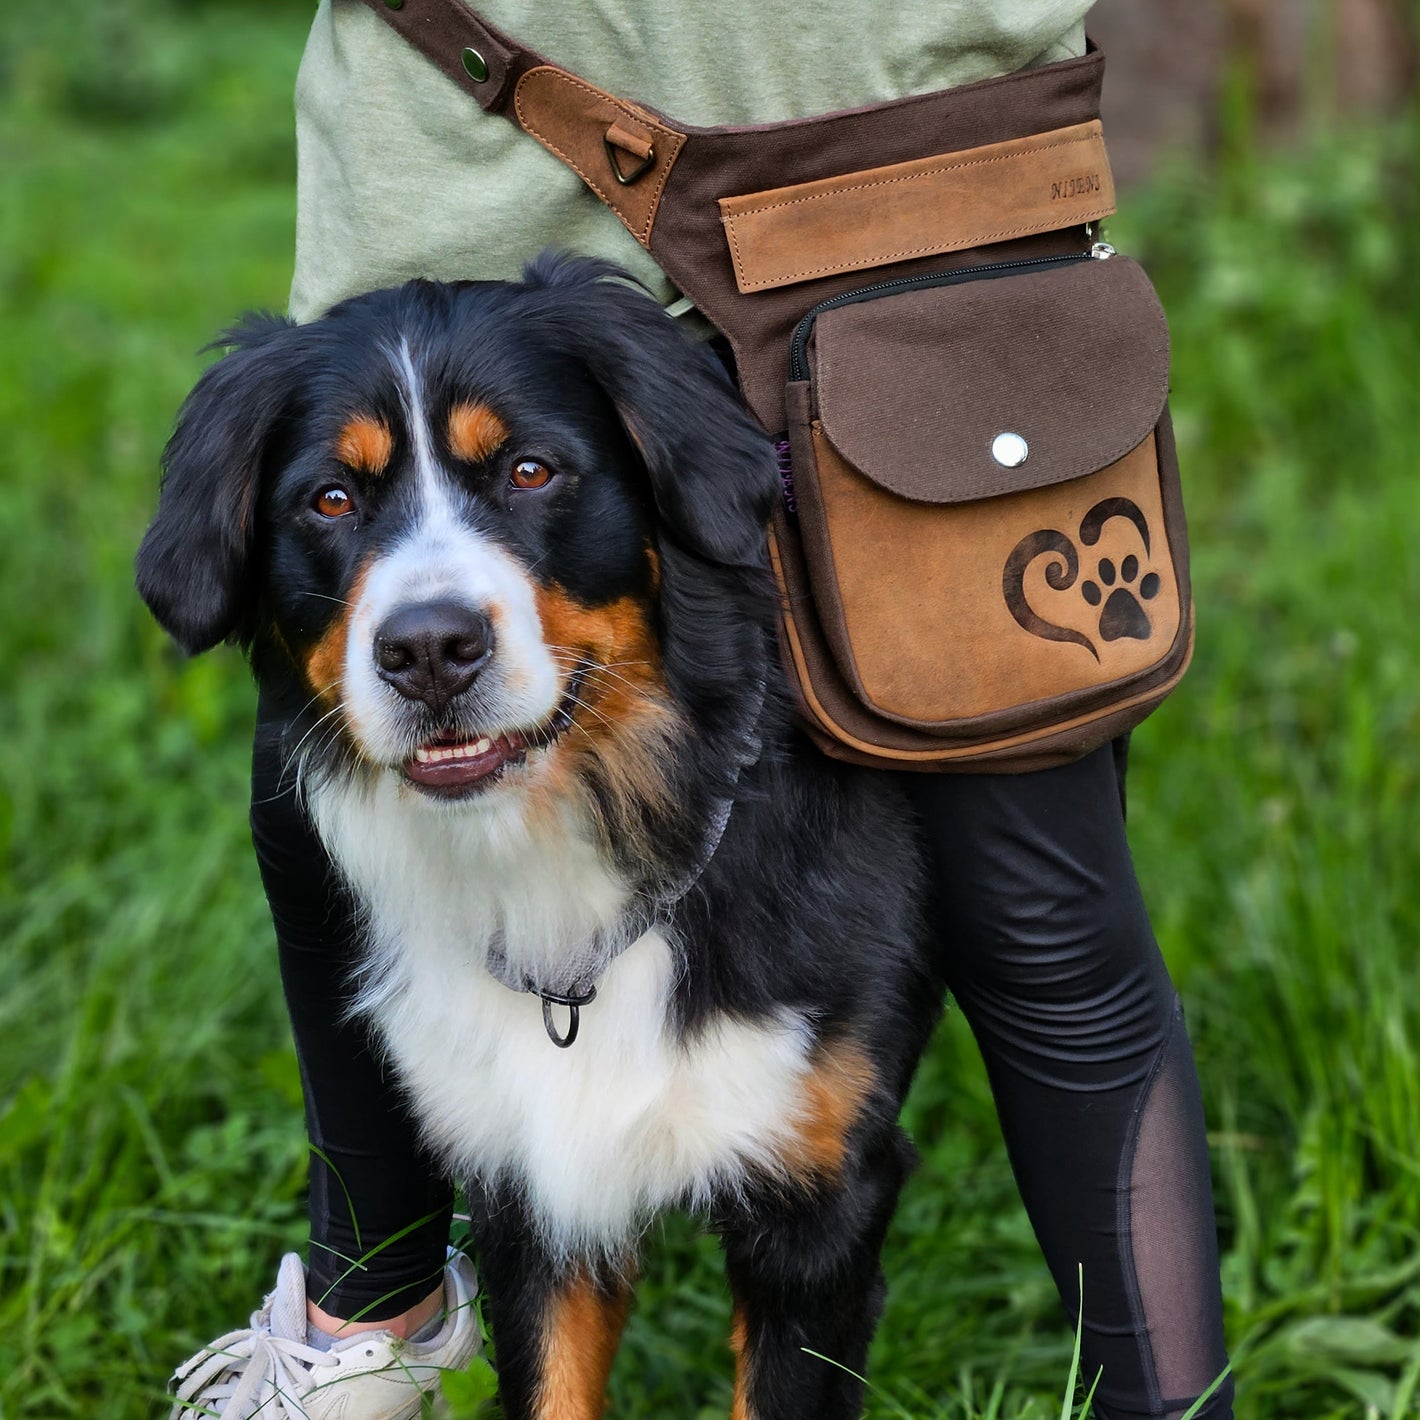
column 572, row 119
column 945, row 203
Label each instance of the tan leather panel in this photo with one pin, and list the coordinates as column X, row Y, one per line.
column 929, row 619
column 854, row 736
column 921, row 208
column 572, row 119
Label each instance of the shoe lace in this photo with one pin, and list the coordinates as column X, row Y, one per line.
column 248, row 1373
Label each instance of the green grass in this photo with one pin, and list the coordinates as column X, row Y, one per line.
column 151, row 1151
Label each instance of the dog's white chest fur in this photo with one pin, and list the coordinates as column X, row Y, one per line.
column 626, row 1121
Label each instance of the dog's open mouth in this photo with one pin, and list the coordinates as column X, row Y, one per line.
column 453, row 764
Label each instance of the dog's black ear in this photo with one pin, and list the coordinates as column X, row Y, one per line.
column 193, row 564
column 712, row 469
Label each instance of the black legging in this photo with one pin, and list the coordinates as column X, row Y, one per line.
column 1048, row 951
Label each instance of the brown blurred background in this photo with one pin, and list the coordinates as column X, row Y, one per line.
column 1177, row 67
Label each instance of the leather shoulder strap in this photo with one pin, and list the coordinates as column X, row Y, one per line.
column 478, row 58
column 622, row 151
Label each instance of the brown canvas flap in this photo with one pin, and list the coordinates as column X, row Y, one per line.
column 914, row 389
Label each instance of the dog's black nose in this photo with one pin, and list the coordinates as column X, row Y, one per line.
column 431, row 651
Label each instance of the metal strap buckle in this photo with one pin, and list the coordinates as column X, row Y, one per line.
column 627, row 177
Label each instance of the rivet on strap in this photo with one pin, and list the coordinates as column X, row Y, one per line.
column 473, row 61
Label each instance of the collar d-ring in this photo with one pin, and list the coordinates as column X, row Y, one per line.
column 574, row 1006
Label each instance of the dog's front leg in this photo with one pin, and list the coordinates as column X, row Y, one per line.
column 555, row 1329
column 808, row 1289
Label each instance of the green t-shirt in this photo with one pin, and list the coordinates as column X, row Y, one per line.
column 401, row 174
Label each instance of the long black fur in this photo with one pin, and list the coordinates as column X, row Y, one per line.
column 809, row 902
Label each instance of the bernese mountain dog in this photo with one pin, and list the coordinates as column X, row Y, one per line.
column 497, row 551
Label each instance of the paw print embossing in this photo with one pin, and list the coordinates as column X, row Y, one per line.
column 1123, row 615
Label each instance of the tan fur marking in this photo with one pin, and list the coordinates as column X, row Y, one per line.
column 739, row 1344
column 834, row 1094
column 617, row 635
column 475, row 431
column 582, row 1331
column 365, row 443
column 325, row 661
column 625, row 713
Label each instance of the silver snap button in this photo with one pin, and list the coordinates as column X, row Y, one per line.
column 1009, row 450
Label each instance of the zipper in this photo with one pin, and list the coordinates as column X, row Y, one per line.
column 798, row 346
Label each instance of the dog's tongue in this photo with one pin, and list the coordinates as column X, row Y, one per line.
column 440, row 766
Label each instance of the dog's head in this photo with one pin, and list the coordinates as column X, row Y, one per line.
column 480, row 537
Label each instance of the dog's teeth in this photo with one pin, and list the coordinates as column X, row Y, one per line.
column 512, row 745
column 440, row 754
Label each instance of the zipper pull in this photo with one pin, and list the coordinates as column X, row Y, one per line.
column 1102, row 251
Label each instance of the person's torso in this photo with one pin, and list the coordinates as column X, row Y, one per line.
column 402, row 174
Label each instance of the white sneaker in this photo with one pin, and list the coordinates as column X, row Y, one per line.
column 270, row 1372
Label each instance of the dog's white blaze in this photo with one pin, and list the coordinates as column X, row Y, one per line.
column 411, row 395
column 626, row 1121
column 441, row 558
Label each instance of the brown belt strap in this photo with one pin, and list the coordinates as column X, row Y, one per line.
column 623, row 152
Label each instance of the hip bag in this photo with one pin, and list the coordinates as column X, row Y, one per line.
column 981, row 547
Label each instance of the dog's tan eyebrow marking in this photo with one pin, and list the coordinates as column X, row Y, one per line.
column 365, row 443
column 475, row 431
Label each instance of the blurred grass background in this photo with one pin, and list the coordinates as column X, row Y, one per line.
column 151, row 1150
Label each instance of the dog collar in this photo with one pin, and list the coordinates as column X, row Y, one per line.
column 605, row 945
column 643, row 914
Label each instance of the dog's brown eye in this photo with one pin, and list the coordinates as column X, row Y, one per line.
column 529, row 473
column 333, row 502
